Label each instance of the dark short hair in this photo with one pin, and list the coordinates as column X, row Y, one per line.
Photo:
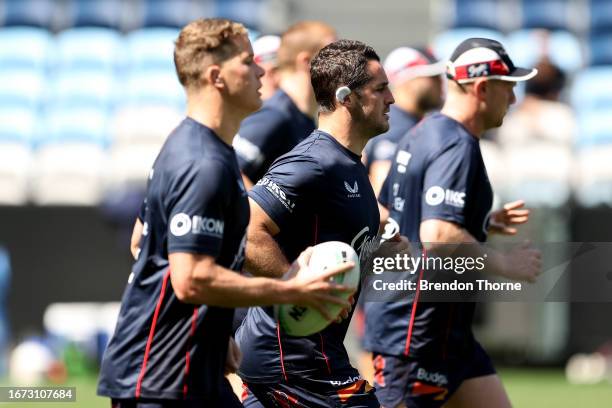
column 548, row 83
column 341, row 63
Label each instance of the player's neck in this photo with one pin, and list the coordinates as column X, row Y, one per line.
column 341, row 128
column 297, row 86
column 466, row 115
column 214, row 115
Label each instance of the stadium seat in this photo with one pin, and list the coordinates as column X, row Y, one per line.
column 95, row 13
column 83, row 125
column 601, row 16
column 168, row 13
column 477, row 13
column 22, row 88
column 548, row 14
column 599, row 49
column 151, row 48
column 248, row 12
column 562, row 47
column 592, row 89
column 34, row 13
column 593, row 186
column 89, row 48
column 68, row 174
column 73, row 89
column 594, row 128
column 130, row 165
column 136, row 125
column 15, row 162
column 18, row 125
column 533, row 177
column 445, row 42
column 154, row 88
column 24, row 47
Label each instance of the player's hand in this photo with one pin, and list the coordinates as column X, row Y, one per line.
column 306, row 289
column 344, row 313
column 523, row 263
column 234, row 357
column 513, row 213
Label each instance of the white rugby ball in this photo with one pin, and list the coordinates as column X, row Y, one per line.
column 303, row 321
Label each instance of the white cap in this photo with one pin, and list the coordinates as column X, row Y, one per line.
column 406, row 63
column 266, row 47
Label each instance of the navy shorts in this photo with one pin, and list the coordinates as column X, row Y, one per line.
column 226, row 398
column 424, row 382
column 308, row 393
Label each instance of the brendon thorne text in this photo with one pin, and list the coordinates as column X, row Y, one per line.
column 425, row 285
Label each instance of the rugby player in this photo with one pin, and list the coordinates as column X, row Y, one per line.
column 171, row 341
column 317, row 192
column 416, row 83
column 288, row 116
column 425, row 354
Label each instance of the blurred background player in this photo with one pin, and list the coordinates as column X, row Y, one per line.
column 425, row 354
column 171, row 345
column 288, row 116
column 317, row 192
column 265, row 49
column 416, row 83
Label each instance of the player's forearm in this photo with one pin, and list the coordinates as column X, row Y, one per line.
column 263, row 255
column 215, row 285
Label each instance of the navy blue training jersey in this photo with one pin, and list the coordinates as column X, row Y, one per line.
column 269, row 133
column 382, row 147
column 318, row 192
column 437, row 173
column 196, row 203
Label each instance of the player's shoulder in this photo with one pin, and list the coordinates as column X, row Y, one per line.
column 274, row 113
column 438, row 133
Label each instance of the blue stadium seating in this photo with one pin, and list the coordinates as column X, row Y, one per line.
column 24, row 48
column 72, row 89
column 168, row 13
column 76, row 125
column 562, row 47
column 36, row 13
column 592, row 89
column 151, row 48
column 155, row 88
column 95, row 13
column 476, row 13
column 600, row 49
column 18, row 125
column 89, row 48
column 22, row 88
column 601, row 16
column 248, row 12
column 445, row 42
column 594, row 128
column 549, row 14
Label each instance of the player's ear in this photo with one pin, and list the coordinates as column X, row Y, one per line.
column 481, row 88
column 212, row 76
column 302, row 61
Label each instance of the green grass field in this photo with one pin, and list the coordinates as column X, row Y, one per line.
column 527, row 389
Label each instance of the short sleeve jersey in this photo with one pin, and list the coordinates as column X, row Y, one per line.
column 437, row 173
column 269, row 133
column 383, row 147
column 318, row 192
column 163, row 348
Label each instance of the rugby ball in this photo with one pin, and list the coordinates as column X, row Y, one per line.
column 303, row 321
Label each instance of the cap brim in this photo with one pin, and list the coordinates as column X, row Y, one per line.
column 519, row 75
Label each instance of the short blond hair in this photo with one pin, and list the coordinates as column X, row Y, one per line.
column 212, row 38
column 305, row 36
